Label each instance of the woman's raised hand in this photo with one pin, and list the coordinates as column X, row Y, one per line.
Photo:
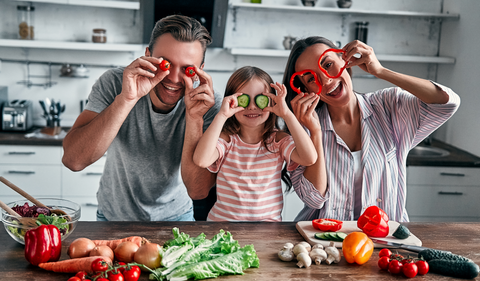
column 303, row 107
column 367, row 61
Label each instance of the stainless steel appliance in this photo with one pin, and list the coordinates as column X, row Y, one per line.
column 17, row 115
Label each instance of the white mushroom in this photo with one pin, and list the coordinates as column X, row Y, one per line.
column 286, row 254
column 318, row 255
column 299, row 248
column 317, row 246
column 304, row 260
column 306, row 245
column 333, row 254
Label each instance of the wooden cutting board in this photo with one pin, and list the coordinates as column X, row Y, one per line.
column 307, row 231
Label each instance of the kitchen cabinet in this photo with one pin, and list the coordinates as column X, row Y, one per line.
column 418, row 30
column 39, row 171
column 443, row 193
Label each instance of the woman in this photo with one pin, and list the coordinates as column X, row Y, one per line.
column 365, row 139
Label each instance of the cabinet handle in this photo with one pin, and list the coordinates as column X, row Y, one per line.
column 94, row 174
column 21, row 152
column 91, row 205
column 452, row 174
column 450, row 193
column 22, row 172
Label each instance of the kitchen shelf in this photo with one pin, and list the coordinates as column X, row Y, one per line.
column 130, row 5
column 60, row 45
column 390, row 58
column 291, row 8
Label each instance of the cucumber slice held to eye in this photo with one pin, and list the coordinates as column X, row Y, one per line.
column 243, row 100
column 261, row 101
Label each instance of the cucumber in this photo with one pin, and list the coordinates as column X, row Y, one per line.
column 332, row 236
column 454, row 268
column 432, row 254
column 321, row 236
column 261, row 101
column 402, row 232
column 243, row 100
column 341, row 236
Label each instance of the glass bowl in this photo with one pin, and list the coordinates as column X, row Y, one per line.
column 17, row 229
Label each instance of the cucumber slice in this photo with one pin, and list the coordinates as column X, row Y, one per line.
column 261, row 101
column 243, row 100
column 341, row 236
column 321, row 236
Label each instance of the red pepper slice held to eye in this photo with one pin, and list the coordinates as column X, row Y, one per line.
column 190, row 71
column 43, row 244
column 325, row 71
column 374, row 222
column 327, row 224
column 301, row 73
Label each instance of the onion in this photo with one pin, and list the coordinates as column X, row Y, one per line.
column 149, row 255
column 125, row 251
column 102, row 250
column 80, row 248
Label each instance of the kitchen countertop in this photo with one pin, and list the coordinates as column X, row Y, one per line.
column 267, row 238
column 457, row 157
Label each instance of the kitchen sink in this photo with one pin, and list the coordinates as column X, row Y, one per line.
column 428, row 152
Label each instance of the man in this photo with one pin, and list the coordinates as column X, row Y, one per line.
column 149, row 122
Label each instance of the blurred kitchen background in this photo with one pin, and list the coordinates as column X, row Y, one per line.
column 75, row 41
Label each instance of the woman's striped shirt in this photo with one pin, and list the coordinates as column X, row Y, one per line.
column 249, row 179
column 393, row 121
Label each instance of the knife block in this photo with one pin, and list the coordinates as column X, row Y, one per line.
column 52, row 131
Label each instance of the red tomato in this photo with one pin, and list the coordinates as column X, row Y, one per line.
column 190, row 71
column 112, row 276
column 383, row 262
column 410, row 269
column 423, row 267
column 165, row 65
column 385, row 253
column 74, row 278
column 102, row 279
column 99, row 265
column 82, row 275
column 395, row 267
column 121, row 269
column 327, row 224
column 132, row 273
column 405, row 261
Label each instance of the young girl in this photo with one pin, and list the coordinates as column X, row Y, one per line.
column 244, row 147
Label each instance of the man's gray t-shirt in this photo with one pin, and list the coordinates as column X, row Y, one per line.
column 141, row 179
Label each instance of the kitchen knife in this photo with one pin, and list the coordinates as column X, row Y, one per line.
column 412, row 248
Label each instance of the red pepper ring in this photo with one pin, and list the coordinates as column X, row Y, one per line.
column 327, row 224
column 325, row 71
column 301, row 73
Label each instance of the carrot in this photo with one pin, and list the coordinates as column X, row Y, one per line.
column 114, row 243
column 73, row 265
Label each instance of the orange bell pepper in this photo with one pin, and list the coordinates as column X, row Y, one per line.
column 357, row 248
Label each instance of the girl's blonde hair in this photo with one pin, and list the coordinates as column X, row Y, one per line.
column 238, row 79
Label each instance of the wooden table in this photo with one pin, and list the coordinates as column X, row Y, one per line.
column 268, row 238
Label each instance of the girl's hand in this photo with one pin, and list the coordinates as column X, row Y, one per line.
column 304, row 109
column 278, row 106
column 367, row 61
column 230, row 106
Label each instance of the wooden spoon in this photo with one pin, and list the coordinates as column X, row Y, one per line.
column 31, row 198
column 25, row 221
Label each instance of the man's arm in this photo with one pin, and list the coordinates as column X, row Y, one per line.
column 198, row 101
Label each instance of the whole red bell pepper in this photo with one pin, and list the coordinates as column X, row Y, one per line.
column 374, row 222
column 43, row 244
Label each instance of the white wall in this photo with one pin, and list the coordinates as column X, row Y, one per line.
column 461, row 39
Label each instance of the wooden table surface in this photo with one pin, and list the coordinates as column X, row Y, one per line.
column 267, row 238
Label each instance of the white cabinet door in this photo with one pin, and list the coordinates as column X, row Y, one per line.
column 82, row 183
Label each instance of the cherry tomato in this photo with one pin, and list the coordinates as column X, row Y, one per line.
column 115, row 276
column 395, row 267
column 383, row 262
column 190, row 71
column 423, row 267
column 102, row 279
column 82, row 275
column 99, row 265
column 410, row 269
column 121, row 269
column 74, row 278
column 405, row 261
column 132, row 273
column 165, row 65
column 385, row 253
